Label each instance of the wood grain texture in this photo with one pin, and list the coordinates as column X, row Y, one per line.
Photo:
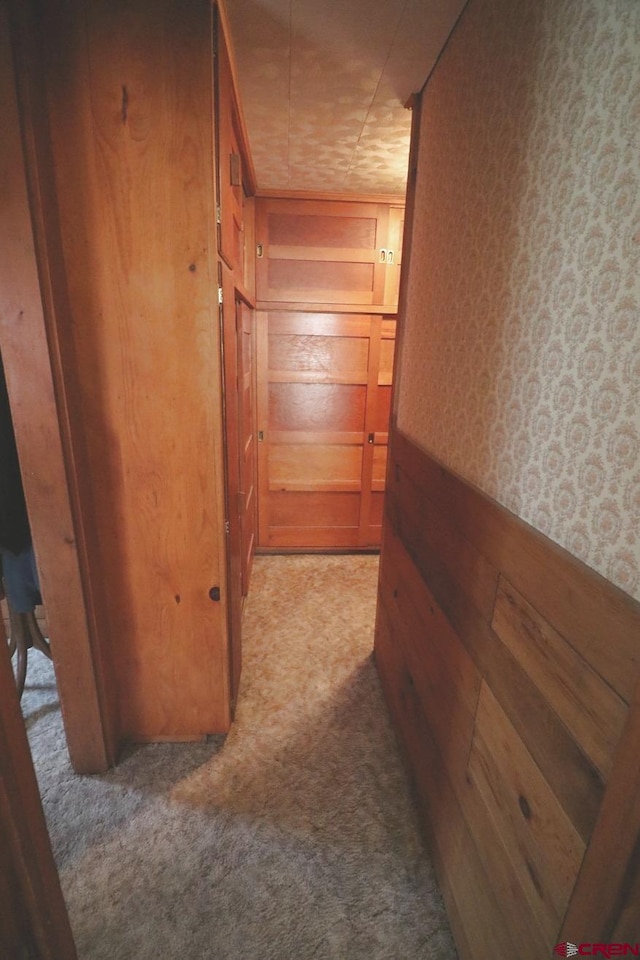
column 536, row 779
column 590, row 709
column 544, row 847
column 309, row 306
column 33, row 915
column 132, row 136
column 535, row 566
column 229, row 188
column 233, row 482
column 603, row 907
column 471, row 903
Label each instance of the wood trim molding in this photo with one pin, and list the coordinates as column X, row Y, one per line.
column 391, row 198
column 312, row 307
column 412, row 179
column 250, row 173
column 33, row 912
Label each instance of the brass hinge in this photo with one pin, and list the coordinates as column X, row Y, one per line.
column 220, row 296
column 218, row 213
column 227, row 527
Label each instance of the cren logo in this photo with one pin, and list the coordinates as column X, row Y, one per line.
column 568, row 949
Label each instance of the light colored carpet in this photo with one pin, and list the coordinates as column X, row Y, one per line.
column 293, row 838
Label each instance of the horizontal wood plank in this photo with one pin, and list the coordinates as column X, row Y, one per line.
column 353, row 437
column 311, row 376
column 591, row 710
column 303, row 509
column 331, row 466
column 333, row 254
column 580, row 604
column 309, row 407
column 304, row 323
column 347, row 306
column 313, row 536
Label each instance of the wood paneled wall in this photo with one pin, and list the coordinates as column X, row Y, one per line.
column 511, row 671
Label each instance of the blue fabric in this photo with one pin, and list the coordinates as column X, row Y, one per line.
column 21, row 579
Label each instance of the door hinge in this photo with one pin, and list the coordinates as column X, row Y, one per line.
column 259, row 251
column 218, row 213
column 227, row 527
column 220, row 296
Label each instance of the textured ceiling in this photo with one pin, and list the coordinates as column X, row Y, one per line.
column 323, row 85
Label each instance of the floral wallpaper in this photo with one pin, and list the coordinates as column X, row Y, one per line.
column 520, row 367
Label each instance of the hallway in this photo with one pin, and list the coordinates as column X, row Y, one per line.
column 293, row 837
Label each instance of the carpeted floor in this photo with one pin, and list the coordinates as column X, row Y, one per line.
column 293, row 838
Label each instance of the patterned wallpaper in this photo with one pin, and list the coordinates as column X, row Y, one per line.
column 521, row 360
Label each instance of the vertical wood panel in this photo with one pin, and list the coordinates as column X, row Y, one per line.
column 131, row 112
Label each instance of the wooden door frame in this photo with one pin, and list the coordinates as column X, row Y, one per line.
column 32, row 907
column 32, row 301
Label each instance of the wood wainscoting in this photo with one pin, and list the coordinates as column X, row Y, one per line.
column 511, row 673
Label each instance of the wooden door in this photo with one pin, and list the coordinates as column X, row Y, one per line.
column 378, row 425
column 33, row 915
column 322, row 420
column 393, row 257
column 230, row 213
column 321, row 252
column 238, row 343
column 247, row 496
column 232, row 443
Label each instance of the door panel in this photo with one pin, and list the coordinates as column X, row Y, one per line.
column 321, row 252
column 313, row 406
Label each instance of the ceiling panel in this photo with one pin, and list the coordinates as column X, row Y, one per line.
column 324, row 82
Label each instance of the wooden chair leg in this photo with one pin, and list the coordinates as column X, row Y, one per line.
column 38, row 641
column 20, row 638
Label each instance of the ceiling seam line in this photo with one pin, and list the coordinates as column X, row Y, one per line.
column 368, row 114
